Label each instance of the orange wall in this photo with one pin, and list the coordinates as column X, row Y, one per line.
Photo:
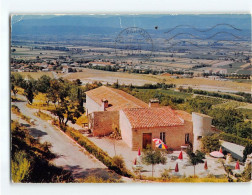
column 102, row 123
column 175, row 136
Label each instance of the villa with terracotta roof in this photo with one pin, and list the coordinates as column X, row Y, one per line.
column 139, row 123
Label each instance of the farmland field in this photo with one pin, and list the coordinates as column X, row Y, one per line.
column 36, row 75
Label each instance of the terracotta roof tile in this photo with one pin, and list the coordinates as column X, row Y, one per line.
column 117, row 99
column 152, row 117
column 184, row 115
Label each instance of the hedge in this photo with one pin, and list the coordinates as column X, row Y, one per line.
column 96, row 151
column 234, row 139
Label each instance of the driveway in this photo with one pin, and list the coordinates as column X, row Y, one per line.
column 69, row 154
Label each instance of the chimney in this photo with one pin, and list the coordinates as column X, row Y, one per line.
column 154, row 103
column 104, row 104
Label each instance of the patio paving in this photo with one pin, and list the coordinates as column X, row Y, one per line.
column 119, row 147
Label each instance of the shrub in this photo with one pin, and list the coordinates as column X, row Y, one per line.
column 94, row 179
column 119, row 162
column 116, row 134
column 63, row 127
column 15, row 109
column 247, row 151
column 20, row 167
column 210, row 143
column 98, row 152
column 246, row 175
column 166, row 174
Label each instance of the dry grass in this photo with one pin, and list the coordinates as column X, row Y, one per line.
column 36, row 75
column 246, row 87
column 40, row 98
column 90, row 75
column 190, row 179
column 20, row 90
column 82, row 119
column 43, row 116
column 42, row 106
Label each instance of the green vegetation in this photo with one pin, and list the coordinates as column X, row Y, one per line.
column 20, row 167
column 153, row 157
column 94, row 179
column 247, row 151
column 210, row 143
column 246, row 175
column 195, row 158
column 65, row 100
column 240, row 96
column 30, row 159
column 230, row 105
column 119, row 162
column 234, row 139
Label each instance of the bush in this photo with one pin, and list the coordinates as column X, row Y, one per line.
column 20, row 167
column 210, row 143
column 63, row 127
column 113, row 164
column 247, row 151
column 94, row 179
column 119, row 162
column 15, row 109
column 166, row 174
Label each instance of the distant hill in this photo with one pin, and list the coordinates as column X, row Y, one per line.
column 38, row 25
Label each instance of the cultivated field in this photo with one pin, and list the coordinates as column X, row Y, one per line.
column 36, row 75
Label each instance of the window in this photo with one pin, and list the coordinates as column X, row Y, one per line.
column 187, row 140
column 162, row 136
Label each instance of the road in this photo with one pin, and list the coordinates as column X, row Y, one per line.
column 69, row 154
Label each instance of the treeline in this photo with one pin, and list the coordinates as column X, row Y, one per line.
column 66, row 96
column 230, row 76
column 227, row 120
column 30, row 159
column 245, row 97
column 145, row 86
column 116, row 68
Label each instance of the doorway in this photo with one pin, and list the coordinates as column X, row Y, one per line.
column 147, row 140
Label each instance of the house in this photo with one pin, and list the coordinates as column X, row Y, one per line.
column 110, row 100
column 65, row 69
column 139, row 123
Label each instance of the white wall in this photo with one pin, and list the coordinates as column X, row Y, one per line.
column 126, row 129
column 92, row 106
column 201, row 127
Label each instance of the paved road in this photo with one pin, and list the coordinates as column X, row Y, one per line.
column 70, row 156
